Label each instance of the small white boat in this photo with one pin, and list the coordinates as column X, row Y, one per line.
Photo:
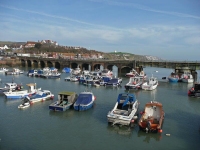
column 187, row 77
column 106, row 72
column 134, row 83
column 125, row 110
column 11, row 87
column 25, row 103
column 76, row 71
column 151, row 84
column 3, row 69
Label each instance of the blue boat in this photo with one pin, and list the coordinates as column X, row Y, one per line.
column 66, row 70
column 65, row 100
column 115, row 82
column 84, row 101
column 173, row 78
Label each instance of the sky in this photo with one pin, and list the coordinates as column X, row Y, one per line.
column 167, row 29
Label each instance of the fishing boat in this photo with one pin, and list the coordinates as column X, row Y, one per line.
column 152, row 117
column 124, row 111
column 11, row 87
column 173, row 77
column 22, row 93
column 151, row 84
column 65, row 100
column 195, row 90
column 40, row 96
column 25, row 103
column 132, row 73
column 187, row 77
column 134, row 83
column 84, row 101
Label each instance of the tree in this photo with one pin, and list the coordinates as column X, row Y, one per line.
column 38, row 45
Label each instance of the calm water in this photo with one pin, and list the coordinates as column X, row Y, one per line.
column 38, row 128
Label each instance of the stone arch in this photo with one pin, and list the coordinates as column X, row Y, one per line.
column 35, row 63
column 42, row 64
column 74, row 65
column 23, row 62
column 125, row 69
column 86, row 66
column 29, row 63
column 57, row 65
column 49, row 64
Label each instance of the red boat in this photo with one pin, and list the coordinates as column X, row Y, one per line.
column 152, row 117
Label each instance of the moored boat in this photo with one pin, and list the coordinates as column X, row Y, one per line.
column 173, row 77
column 84, row 101
column 152, row 117
column 25, row 103
column 40, row 96
column 11, row 87
column 134, row 83
column 187, row 77
column 195, row 90
column 125, row 110
column 65, row 100
column 22, row 93
column 151, row 84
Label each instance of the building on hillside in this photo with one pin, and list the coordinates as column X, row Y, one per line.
column 4, row 47
column 30, row 44
column 48, row 42
column 16, row 47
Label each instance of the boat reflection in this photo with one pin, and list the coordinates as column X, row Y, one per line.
column 149, row 136
column 121, row 130
column 70, row 113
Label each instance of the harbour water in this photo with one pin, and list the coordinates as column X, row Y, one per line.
column 38, row 128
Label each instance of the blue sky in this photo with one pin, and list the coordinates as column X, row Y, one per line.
column 166, row 29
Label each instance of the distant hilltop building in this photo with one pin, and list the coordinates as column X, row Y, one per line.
column 30, row 44
column 152, row 58
column 48, row 42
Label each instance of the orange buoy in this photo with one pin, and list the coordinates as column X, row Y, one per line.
column 160, row 130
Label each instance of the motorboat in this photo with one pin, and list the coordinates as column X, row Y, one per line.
column 84, row 101
column 106, row 72
column 32, row 72
column 40, row 96
column 65, row 100
column 173, row 77
column 125, row 110
column 3, row 69
column 187, row 77
column 104, row 80
column 115, row 82
column 11, row 87
column 152, row 117
column 74, row 79
column 134, row 83
column 25, row 103
column 195, row 90
column 14, row 71
column 76, row 71
column 22, row 93
column 52, row 75
column 132, row 73
column 85, row 72
column 151, row 84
